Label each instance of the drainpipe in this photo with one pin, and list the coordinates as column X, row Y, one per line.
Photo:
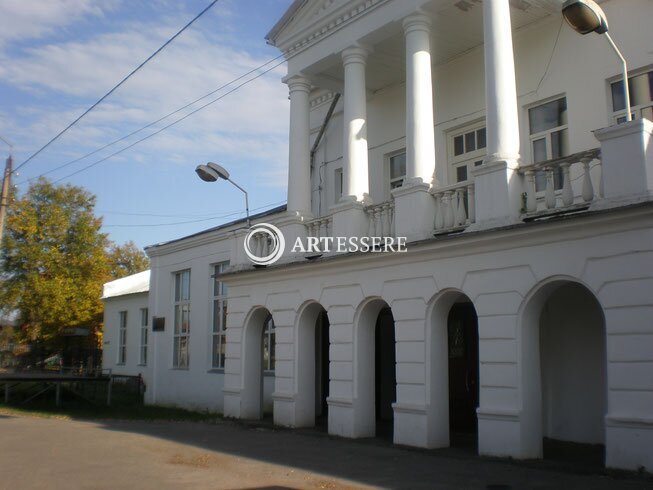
column 317, row 142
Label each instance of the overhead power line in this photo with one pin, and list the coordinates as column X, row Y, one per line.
column 116, row 86
column 177, row 121
column 149, row 125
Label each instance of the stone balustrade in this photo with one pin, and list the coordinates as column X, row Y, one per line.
column 568, row 183
column 381, row 220
column 320, row 227
column 455, row 207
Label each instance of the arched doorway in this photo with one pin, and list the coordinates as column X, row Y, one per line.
column 312, row 366
column 258, row 364
column 564, row 363
column 454, row 371
column 375, row 370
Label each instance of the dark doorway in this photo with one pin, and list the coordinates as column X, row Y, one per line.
column 385, row 377
column 462, row 327
column 321, row 370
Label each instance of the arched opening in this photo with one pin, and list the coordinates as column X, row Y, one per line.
column 564, row 362
column 376, row 381
column 454, row 372
column 258, row 365
column 312, row 366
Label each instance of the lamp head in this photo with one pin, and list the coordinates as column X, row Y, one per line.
column 219, row 170
column 585, row 16
column 206, row 174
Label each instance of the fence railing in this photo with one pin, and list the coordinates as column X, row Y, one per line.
column 381, row 219
column 455, row 207
column 568, row 182
column 320, row 227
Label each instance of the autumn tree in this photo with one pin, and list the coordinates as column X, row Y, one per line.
column 55, row 261
column 126, row 259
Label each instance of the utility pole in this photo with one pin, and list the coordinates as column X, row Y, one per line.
column 6, row 185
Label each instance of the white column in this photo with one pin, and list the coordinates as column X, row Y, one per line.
column 355, row 172
column 500, row 89
column 299, row 171
column 420, row 141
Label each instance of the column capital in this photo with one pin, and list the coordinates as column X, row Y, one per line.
column 297, row 82
column 418, row 21
column 355, row 54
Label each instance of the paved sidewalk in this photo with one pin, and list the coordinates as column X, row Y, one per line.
column 54, row 453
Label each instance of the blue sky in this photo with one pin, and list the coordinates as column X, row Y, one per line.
column 57, row 57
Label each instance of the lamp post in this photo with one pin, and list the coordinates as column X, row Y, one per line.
column 212, row 172
column 6, row 184
column 585, row 16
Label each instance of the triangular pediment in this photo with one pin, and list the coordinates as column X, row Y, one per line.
column 303, row 16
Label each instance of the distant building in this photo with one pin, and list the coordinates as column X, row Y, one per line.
column 126, row 324
column 521, row 312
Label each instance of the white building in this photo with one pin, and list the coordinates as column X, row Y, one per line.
column 521, row 311
column 126, row 324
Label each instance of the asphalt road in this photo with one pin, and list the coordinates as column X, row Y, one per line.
column 56, row 453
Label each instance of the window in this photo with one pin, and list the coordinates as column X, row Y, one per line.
column 549, row 138
column 122, row 341
column 337, row 183
column 641, row 97
column 218, row 331
column 182, row 320
column 467, row 150
column 144, row 317
column 269, row 356
column 397, row 169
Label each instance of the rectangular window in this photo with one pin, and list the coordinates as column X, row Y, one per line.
column 144, row 325
column 397, row 170
column 219, row 306
column 182, row 320
column 338, row 183
column 122, row 341
column 467, row 150
column 549, row 138
column 641, row 97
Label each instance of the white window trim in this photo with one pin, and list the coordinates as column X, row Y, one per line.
column 467, row 159
column 636, row 110
column 142, row 361
column 221, row 300
column 386, row 161
column 122, row 337
column 176, row 335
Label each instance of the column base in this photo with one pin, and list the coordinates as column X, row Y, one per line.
column 349, row 219
column 628, row 443
column 497, row 189
column 500, row 434
column 411, row 425
column 414, row 211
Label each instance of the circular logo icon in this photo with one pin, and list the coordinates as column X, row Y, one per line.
column 264, row 244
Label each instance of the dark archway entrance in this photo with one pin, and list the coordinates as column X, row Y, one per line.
column 462, row 334
column 385, row 373
column 321, row 370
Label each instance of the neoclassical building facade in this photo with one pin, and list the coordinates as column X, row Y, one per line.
column 490, row 135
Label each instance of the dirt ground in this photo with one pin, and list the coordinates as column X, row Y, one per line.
column 55, row 453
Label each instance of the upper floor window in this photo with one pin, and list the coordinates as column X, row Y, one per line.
column 397, row 169
column 219, row 308
column 180, row 355
column 338, row 183
column 269, row 355
column 466, row 150
column 641, row 97
column 143, row 348
column 122, row 338
column 548, row 137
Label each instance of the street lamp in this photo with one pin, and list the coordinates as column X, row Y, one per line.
column 585, row 16
column 212, row 172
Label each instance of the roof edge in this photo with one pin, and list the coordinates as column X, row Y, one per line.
column 296, row 6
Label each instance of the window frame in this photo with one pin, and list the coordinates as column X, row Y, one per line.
column 468, row 159
column 182, row 304
column 619, row 117
column 540, row 175
column 338, row 184
column 219, row 299
column 388, row 159
column 122, row 338
column 144, row 336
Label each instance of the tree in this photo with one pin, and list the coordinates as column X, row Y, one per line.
column 55, row 261
column 126, row 259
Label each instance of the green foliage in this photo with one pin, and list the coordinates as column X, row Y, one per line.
column 127, row 259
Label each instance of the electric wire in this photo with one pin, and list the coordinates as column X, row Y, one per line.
column 116, row 86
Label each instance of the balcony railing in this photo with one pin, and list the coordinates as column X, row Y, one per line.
column 381, row 219
column 320, row 227
column 455, row 208
column 576, row 190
